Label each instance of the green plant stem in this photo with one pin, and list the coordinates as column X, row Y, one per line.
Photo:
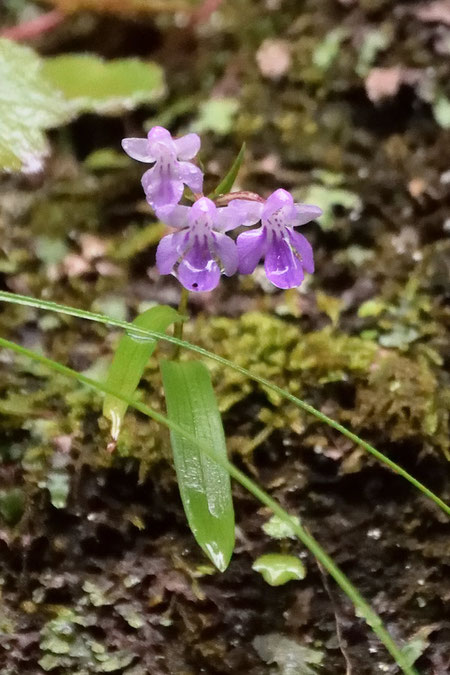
column 364, row 610
column 141, row 332
column 178, row 328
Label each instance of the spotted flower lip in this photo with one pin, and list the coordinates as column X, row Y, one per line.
column 200, row 250
column 164, row 183
column 286, row 252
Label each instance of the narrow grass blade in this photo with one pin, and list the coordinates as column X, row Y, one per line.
column 130, row 359
column 227, row 183
column 204, row 484
column 372, row 619
column 50, row 306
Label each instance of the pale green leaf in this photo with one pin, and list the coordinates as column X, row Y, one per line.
column 204, row 484
column 216, row 115
column 441, row 111
column 277, row 568
column 29, row 105
column 129, row 361
column 91, row 84
column 328, row 50
column 289, row 656
column 327, row 198
column 278, row 529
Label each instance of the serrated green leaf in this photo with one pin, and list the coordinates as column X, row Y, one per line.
column 204, row 485
column 130, row 359
column 227, row 183
column 91, row 84
column 29, row 105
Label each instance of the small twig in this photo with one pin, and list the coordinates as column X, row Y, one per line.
column 224, row 200
column 32, row 29
column 338, row 620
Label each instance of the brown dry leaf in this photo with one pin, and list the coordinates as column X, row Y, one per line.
column 434, row 12
column 274, row 58
column 124, row 7
column 384, row 83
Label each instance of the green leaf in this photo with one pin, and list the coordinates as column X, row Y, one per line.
column 290, row 657
column 29, row 104
column 227, row 183
column 12, row 505
column 277, row 528
column 277, row 569
column 58, row 485
column 91, row 84
column 204, row 485
column 328, row 198
column 441, row 111
column 216, row 115
column 328, row 50
column 129, row 361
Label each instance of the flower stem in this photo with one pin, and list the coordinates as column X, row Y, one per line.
column 178, row 328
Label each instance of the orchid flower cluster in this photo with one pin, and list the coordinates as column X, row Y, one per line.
column 200, row 250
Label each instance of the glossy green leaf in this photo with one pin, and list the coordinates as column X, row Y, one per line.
column 227, row 183
column 91, row 84
column 130, row 359
column 204, row 484
column 29, row 105
column 277, row 569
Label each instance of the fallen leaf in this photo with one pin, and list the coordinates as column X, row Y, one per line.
column 274, row 58
column 384, row 83
column 434, row 12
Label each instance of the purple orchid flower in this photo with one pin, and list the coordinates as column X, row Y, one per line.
column 164, row 183
column 287, row 253
column 198, row 253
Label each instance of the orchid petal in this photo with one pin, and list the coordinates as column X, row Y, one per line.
column 159, row 135
column 187, row 146
column 276, row 201
column 175, row 216
column 170, row 249
column 138, row 148
column 304, row 213
column 161, row 187
column 202, row 213
column 246, row 212
column 226, row 252
column 251, row 248
column 191, row 175
column 198, row 271
column 303, row 248
column 282, row 267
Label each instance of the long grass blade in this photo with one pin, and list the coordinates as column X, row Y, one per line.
column 362, row 607
column 101, row 318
